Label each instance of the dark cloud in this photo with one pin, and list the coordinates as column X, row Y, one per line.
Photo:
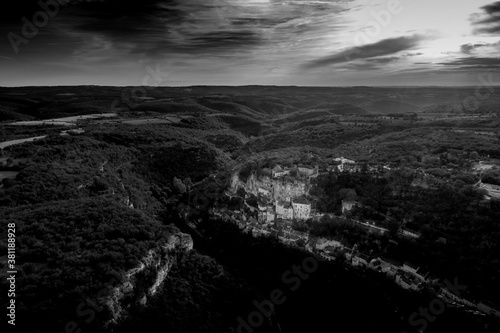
column 382, row 48
column 96, row 8
column 162, row 27
column 115, row 20
column 468, row 48
column 492, row 30
column 488, row 22
column 379, row 62
column 11, row 15
column 473, row 63
column 492, row 8
column 217, row 42
column 128, row 20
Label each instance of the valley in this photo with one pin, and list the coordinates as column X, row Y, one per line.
column 198, row 200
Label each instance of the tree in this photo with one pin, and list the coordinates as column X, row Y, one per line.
column 98, row 185
column 351, row 195
column 241, row 192
column 474, row 155
column 269, row 163
column 246, row 171
column 179, row 185
column 325, row 219
column 7, row 182
column 348, row 194
column 430, row 160
column 253, row 201
column 393, row 227
column 188, row 183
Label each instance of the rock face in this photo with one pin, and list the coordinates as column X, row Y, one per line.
column 279, row 188
column 158, row 263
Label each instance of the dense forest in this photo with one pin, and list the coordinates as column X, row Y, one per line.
column 68, row 251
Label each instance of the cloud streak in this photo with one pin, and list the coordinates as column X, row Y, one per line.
column 489, row 21
column 474, row 63
column 382, row 48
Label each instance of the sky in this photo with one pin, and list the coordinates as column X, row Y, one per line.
column 248, row 42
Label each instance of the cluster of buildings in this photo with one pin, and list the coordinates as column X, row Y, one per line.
column 405, row 275
column 341, row 164
column 282, row 231
column 298, row 208
column 284, row 200
column 280, row 203
column 346, row 165
column 303, row 170
column 236, row 216
column 481, row 307
column 290, row 235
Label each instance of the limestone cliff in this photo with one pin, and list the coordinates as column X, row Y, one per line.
column 135, row 284
column 279, row 189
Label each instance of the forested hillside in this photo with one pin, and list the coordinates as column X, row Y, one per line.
column 89, row 208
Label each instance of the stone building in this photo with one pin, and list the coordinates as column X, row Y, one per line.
column 284, row 210
column 301, row 208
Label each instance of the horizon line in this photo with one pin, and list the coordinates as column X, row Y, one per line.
column 248, row 85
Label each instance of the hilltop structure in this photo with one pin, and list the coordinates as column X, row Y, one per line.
column 345, row 164
column 278, row 172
